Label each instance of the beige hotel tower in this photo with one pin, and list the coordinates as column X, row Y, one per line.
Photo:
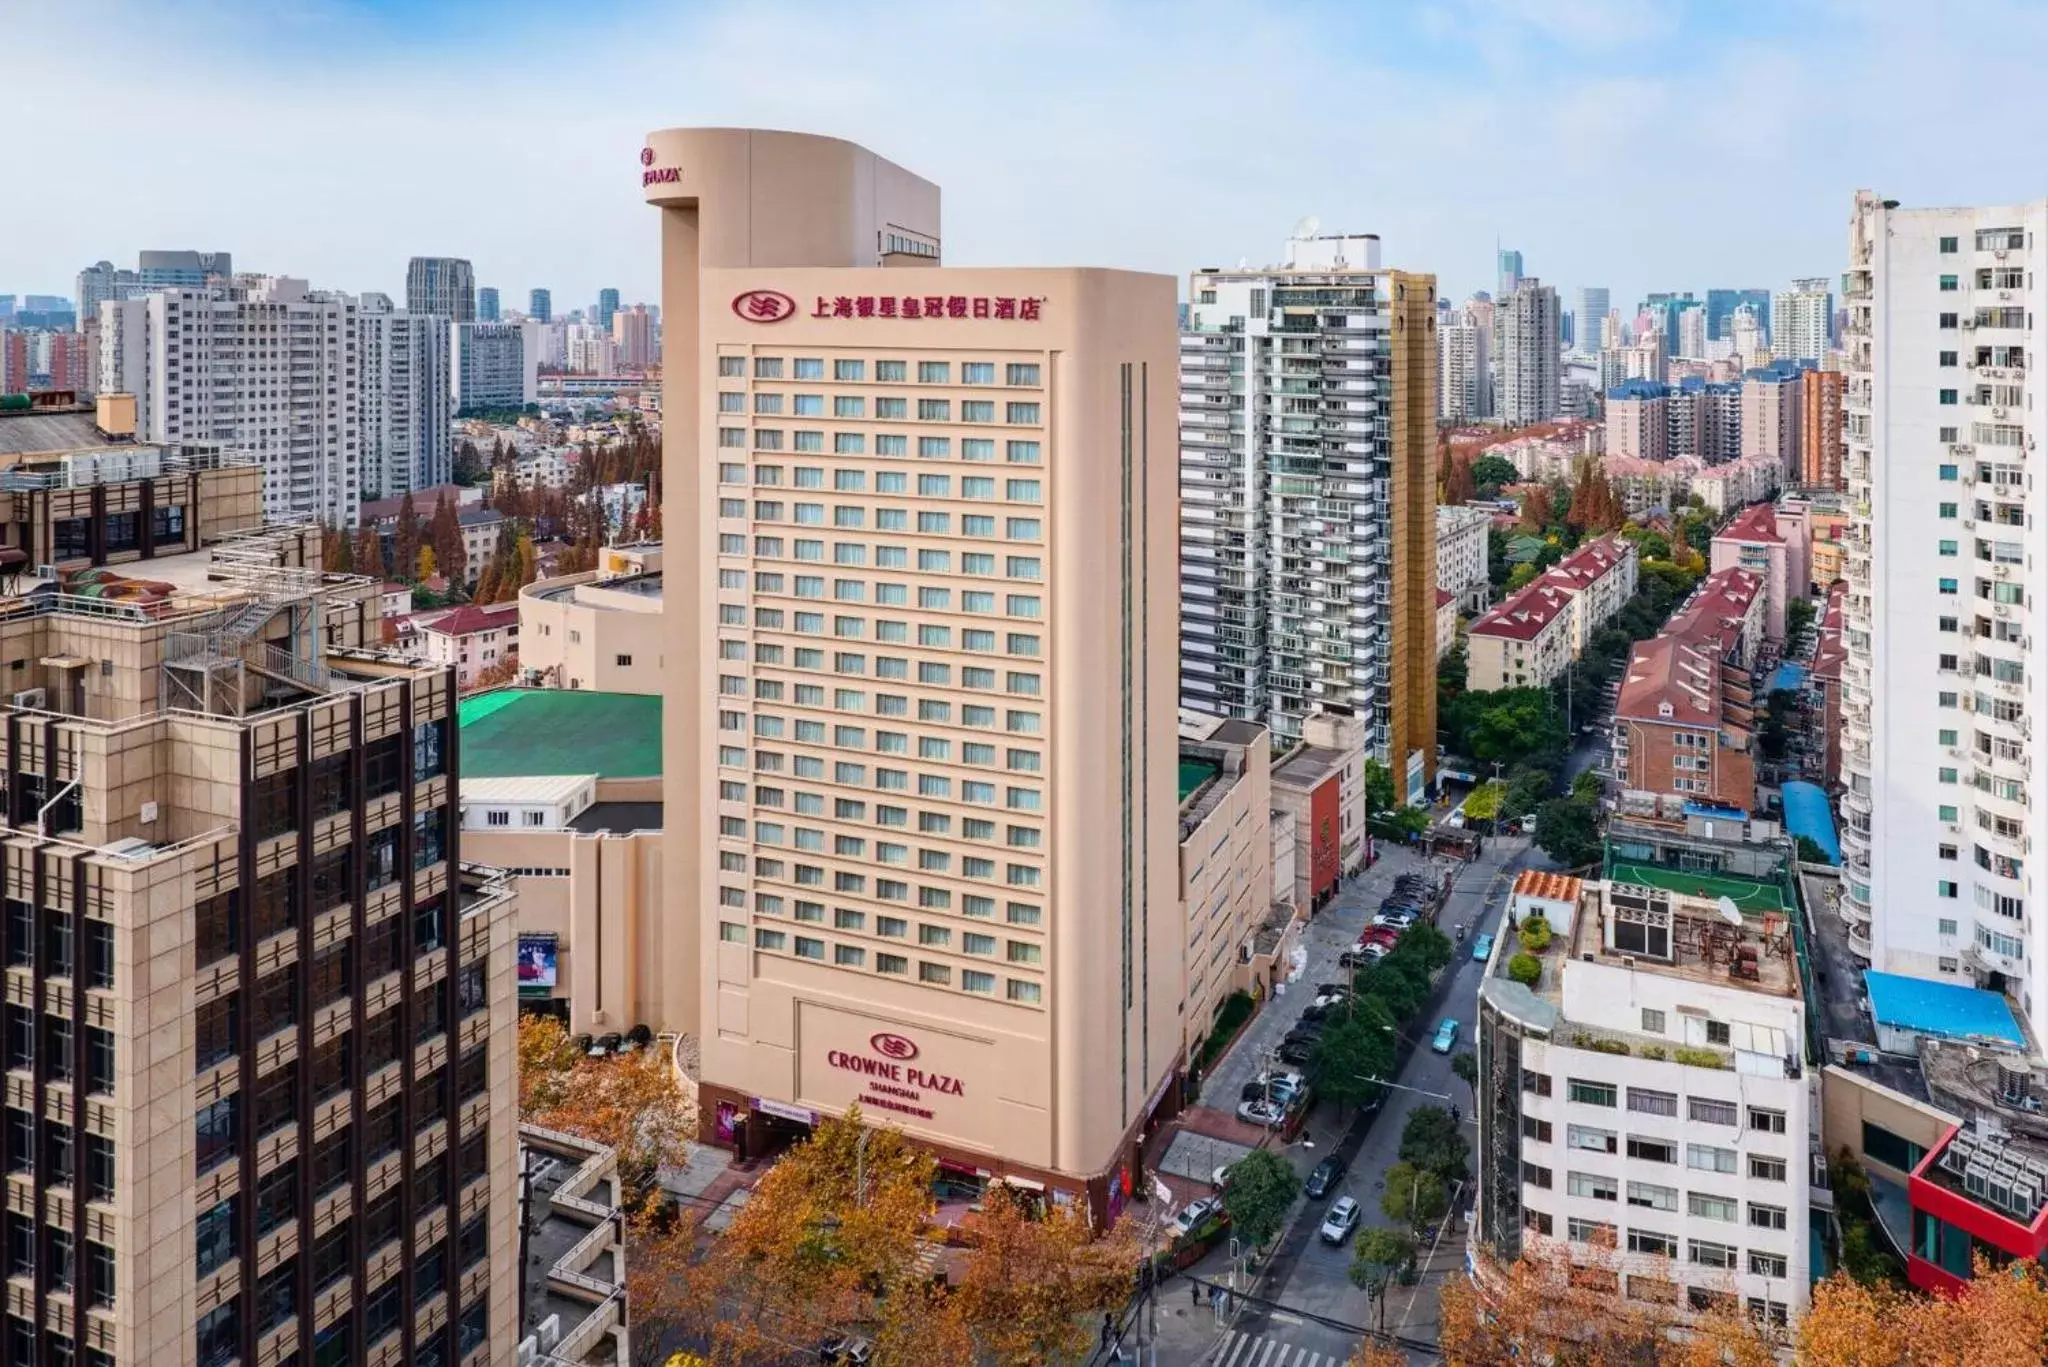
column 920, row 727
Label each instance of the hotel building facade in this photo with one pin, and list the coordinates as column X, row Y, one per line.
column 920, row 737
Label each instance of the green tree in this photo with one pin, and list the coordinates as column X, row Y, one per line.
column 1413, row 1196
column 1262, row 1187
column 1490, row 473
column 1497, row 565
column 1427, row 946
column 1432, row 1141
column 1527, row 791
column 1586, row 787
column 1568, row 830
column 1379, row 788
column 1810, row 851
column 1377, row 1259
column 1352, row 1050
column 1400, row 984
column 1521, row 576
column 1465, row 1067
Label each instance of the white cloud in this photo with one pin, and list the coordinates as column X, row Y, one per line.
column 1597, row 135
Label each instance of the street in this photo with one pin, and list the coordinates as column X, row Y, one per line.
column 1306, row 1274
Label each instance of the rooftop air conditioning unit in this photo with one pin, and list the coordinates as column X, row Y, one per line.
column 30, row 698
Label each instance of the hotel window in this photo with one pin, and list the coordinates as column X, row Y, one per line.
column 934, row 372
column 977, row 372
column 770, row 939
column 979, row 486
column 1022, row 567
column 973, row 980
column 887, row 408
column 977, row 448
column 1709, row 1207
column 808, row 948
column 849, row 406
column 1021, row 605
column 810, row 368
column 1021, row 413
column 938, row 974
column 1022, row 452
column 767, row 367
column 1020, row 991
column 809, row 441
column 732, row 933
column 732, row 436
column 934, row 486
column 732, row 367
column 849, row 370
column 1023, row 528
column 1021, row 373
column 891, row 372
column 977, row 410
column 1022, row 913
column 849, row 956
column 1021, row 490
column 891, row 963
column 767, row 403
column 934, row 410
column 808, row 405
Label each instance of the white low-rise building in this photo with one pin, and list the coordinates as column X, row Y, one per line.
column 1462, row 563
column 1646, row 1101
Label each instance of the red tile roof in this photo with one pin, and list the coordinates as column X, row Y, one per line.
column 1722, row 600
column 1524, row 614
column 1829, row 652
column 1551, row 887
column 1670, row 672
column 1758, row 522
column 470, row 619
column 1444, row 596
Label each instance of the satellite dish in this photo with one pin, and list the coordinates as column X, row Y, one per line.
column 1307, row 227
column 1729, row 911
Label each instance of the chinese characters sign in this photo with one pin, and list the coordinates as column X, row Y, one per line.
column 927, row 306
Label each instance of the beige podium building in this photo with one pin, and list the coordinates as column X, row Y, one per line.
column 921, row 619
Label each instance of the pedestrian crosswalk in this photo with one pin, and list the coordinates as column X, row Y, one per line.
column 1240, row 1349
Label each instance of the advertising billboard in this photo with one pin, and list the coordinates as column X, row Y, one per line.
column 1325, row 837
column 537, row 963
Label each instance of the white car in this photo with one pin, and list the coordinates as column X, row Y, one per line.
column 1259, row 1113
column 1193, row 1214
column 1342, row 1219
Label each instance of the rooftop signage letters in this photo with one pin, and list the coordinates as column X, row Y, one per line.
column 650, row 174
column 763, row 306
column 889, row 1081
column 1002, row 307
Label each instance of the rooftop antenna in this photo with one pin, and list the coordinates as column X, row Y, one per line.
column 1307, row 227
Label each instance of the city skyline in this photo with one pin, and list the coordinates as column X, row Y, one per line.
column 1457, row 73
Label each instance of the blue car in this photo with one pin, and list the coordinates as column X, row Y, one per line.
column 1482, row 948
column 1446, row 1036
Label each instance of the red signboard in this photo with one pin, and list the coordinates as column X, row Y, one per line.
column 1325, row 855
column 889, row 1082
column 763, row 306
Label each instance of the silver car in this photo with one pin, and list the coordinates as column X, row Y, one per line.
column 1342, row 1219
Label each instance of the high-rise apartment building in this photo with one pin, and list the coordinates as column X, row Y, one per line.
column 260, row 1016
column 1509, row 273
column 540, row 306
column 443, row 285
column 633, row 336
column 1307, row 558
column 1691, row 339
column 1721, row 306
column 607, row 305
column 1464, row 368
column 1771, row 415
column 486, row 304
column 266, row 366
column 496, row 366
column 1801, row 320
column 1942, row 379
column 100, row 281
column 1638, row 423
column 184, row 270
column 408, row 398
column 1589, row 316
column 1526, row 367
column 920, row 789
column 1748, row 334
column 1820, row 429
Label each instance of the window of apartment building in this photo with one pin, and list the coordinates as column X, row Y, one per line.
column 1590, row 1093
column 277, row 904
column 99, row 1061
column 1596, row 1186
column 99, row 953
column 276, row 1196
column 1535, row 1175
column 274, row 804
column 215, row 935
column 214, row 1128
column 276, row 1101
column 214, row 1032
column 1707, row 1111
column 71, row 538
column 381, row 1136
column 277, row 1295
column 429, row 749
column 1763, row 1216
column 1707, row 1206
column 215, row 1236
column 1766, row 1119
column 382, row 767
column 1538, row 1130
column 276, row 1002
column 57, row 942
column 1652, row 1150
column 1536, row 1083
column 1583, row 1137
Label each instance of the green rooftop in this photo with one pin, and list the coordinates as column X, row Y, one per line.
column 530, row 732
column 1748, row 894
column 1194, row 773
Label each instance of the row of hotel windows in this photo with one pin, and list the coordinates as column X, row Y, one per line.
column 855, row 847
column 940, row 786
column 978, row 943
column 885, row 444
column 928, row 710
column 886, row 742
column 929, row 486
column 1699, row 1205
column 977, row 981
column 981, row 564
column 854, row 370
column 845, row 406
column 930, row 597
column 1024, row 684
column 971, row 904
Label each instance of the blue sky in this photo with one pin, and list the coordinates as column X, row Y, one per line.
column 1638, row 144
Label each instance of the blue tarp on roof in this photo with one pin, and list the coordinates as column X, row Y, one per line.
column 1807, row 814
column 1942, row 1010
column 1790, row 676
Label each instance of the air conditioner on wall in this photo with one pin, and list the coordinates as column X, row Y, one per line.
column 31, row 698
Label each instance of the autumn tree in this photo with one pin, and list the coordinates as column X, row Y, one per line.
column 1033, row 1284
column 368, row 556
column 1459, row 486
column 1536, row 514
column 1997, row 1319
column 1379, row 1256
column 337, row 551
column 1563, row 1304
column 1373, row 1353
column 634, row 1103
column 494, row 675
column 406, row 545
column 444, row 534
column 832, row 1236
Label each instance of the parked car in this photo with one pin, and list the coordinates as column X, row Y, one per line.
column 1342, row 1219
column 1353, row 957
column 1296, row 1051
column 1333, row 990
column 1260, row 1112
column 1482, row 948
column 1278, row 1088
column 851, row 1349
column 1399, row 919
column 1220, row 1178
column 1314, row 1011
column 1446, row 1036
column 1193, row 1214
column 1324, row 1177
column 1375, row 951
